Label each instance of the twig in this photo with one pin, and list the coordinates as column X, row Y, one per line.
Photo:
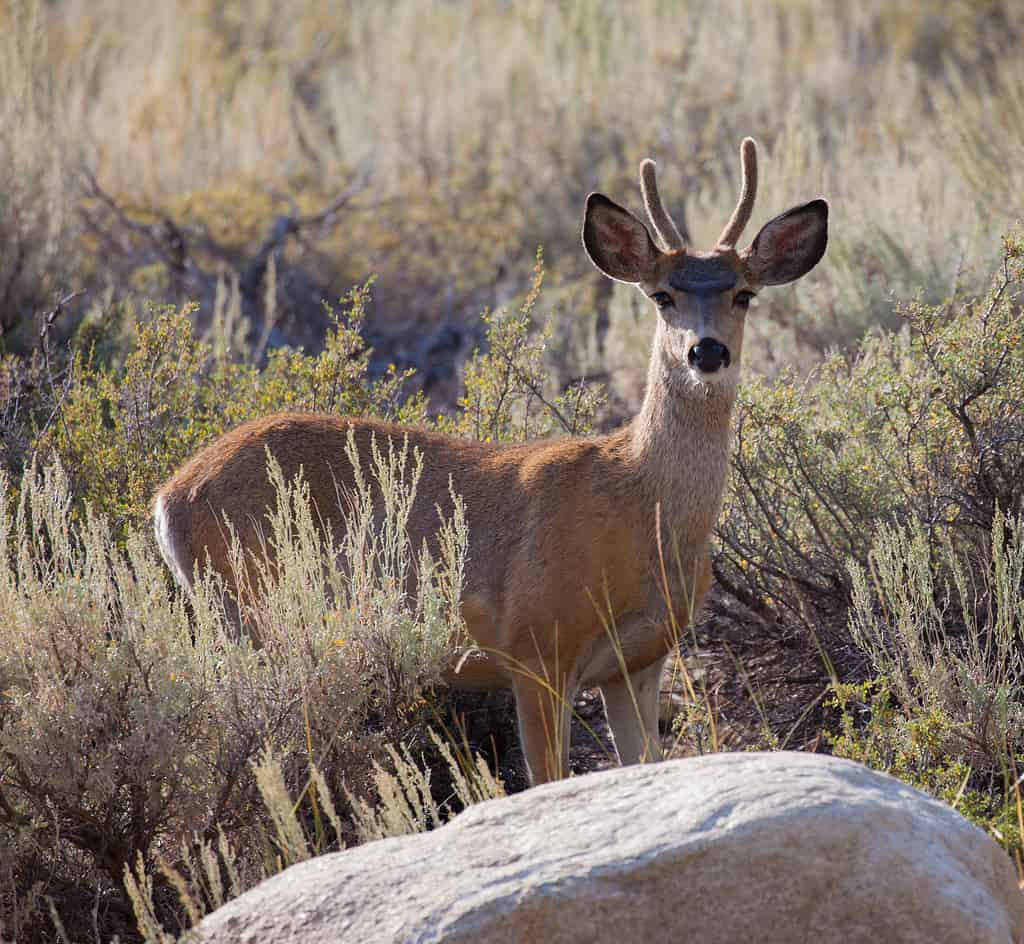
column 292, row 224
column 53, row 314
column 44, row 342
column 534, row 388
column 174, row 260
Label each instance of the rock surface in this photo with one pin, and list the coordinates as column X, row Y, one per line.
column 782, row 847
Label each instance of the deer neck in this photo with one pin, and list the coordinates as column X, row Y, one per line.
column 680, row 446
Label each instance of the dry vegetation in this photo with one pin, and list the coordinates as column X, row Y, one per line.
column 205, row 174
column 482, row 128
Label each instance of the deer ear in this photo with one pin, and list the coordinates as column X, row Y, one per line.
column 789, row 246
column 617, row 242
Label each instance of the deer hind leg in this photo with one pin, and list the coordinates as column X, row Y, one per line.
column 631, row 704
column 544, row 710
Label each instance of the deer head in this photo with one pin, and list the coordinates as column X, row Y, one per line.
column 702, row 297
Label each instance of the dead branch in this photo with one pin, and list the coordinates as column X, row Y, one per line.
column 293, row 224
column 51, row 316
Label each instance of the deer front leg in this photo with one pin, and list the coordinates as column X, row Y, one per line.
column 544, row 711
column 631, row 701
column 631, row 704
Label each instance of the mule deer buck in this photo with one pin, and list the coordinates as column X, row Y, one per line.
column 559, row 530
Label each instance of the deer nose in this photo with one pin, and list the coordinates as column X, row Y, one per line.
column 707, row 355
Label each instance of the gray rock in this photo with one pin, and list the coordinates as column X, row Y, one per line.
column 782, row 847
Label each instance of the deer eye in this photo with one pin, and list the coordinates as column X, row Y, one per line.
column 742, row 299
column 662, row 299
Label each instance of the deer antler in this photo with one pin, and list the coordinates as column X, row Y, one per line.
column 664, row 228
column 741, row 215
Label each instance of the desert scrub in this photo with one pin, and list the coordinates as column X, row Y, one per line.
column 923, row 425
column 484, row 133
column 943, row 631
column 508, row 395
column 127, row 421
column 130, row 722
column 38, row 250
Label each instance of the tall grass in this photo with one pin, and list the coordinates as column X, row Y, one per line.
column 38, row 153
column 132, row 723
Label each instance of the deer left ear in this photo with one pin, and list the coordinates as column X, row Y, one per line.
column 789, row 246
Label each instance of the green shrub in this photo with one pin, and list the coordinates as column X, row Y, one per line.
column 925, row 748
column 924, row 425
column 125, row 426
column 508, row 395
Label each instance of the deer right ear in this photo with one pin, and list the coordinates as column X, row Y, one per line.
column 617, row 242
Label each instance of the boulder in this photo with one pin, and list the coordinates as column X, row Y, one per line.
column 781, row 847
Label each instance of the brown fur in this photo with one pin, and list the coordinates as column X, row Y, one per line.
column 557, row 530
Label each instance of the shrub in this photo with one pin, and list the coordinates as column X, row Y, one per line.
column 508, row 395
column 924, row 425
column 125, row 426
column 129, row 725
column 943, row 630
column 208, row 875
column 918, row 747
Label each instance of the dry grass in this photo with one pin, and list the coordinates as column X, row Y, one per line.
column 485, row 125
column 134, row 724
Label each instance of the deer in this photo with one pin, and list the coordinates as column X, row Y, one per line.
column 565, row 583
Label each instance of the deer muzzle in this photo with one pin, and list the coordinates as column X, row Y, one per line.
column 708, row 356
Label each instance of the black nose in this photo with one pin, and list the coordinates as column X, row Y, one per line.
column 707, row 355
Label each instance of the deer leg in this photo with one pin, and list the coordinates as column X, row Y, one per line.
column 544, row 711
column 631, row 704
